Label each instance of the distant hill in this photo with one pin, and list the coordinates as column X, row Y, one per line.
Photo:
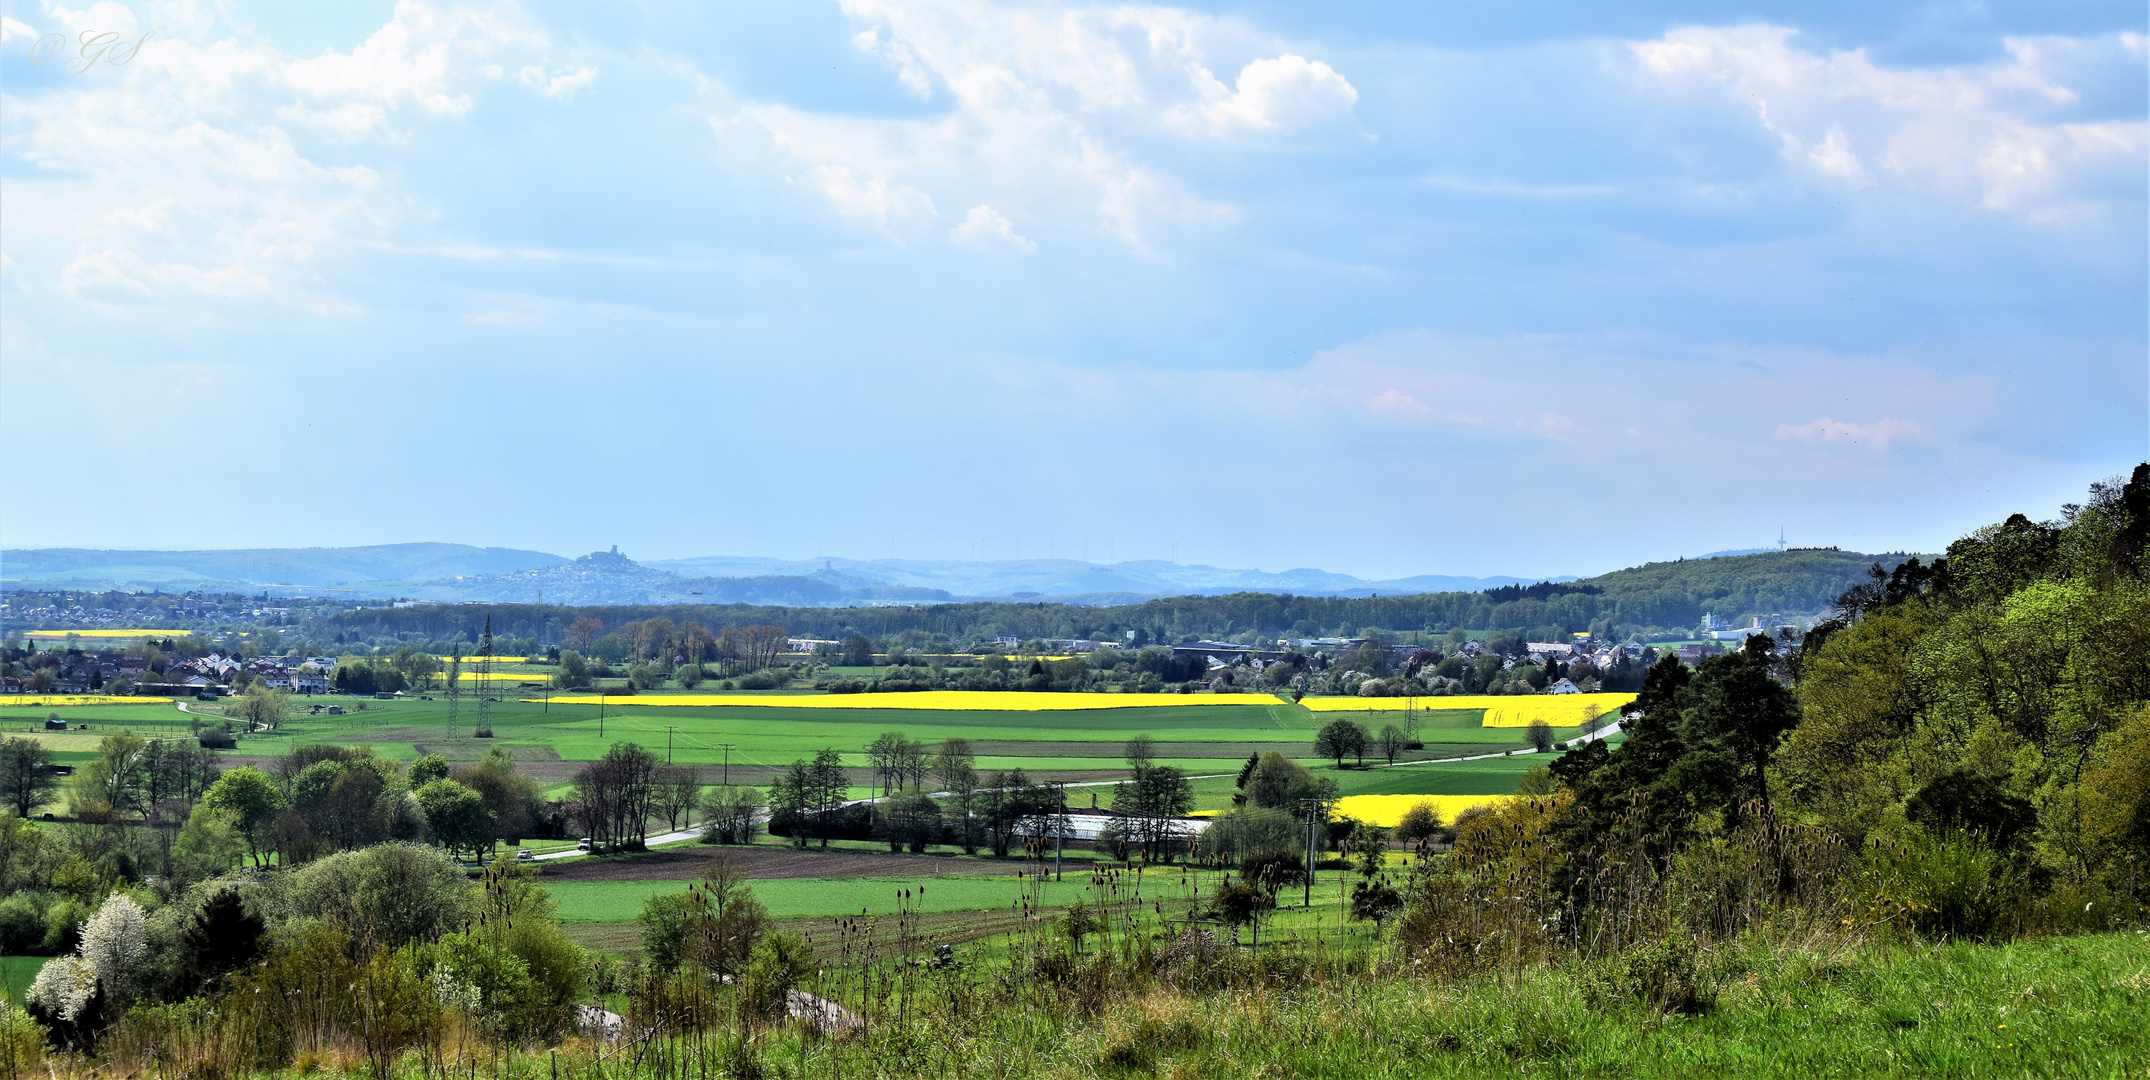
column 1064, row 578
column 458, row 573
column 246, row 568
column 1801, row 581
column 608, row 577
column 1672, row 593
column 1667, row 595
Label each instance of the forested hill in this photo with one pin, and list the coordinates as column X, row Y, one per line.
column 1663, row 595
column 245, row 569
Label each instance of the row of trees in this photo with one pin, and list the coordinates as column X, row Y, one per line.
column 657, row 639
column 615, row 797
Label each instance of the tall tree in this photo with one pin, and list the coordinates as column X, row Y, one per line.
column 252, row 800
column 26, row 777
column 955, row 770
column 678, row 791
column 1392, row 742
column 829, row 787
column 1339, row 737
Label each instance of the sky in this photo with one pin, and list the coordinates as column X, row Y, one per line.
column 1380, row 288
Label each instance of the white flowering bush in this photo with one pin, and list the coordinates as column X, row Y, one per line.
column 64, row 988
column 115, row 941
column 114, row 944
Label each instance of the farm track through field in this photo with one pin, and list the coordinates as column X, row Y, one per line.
column 768, row 863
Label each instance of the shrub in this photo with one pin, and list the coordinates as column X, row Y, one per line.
column 1663, row 976
column 1421, row 822
column 1273, row 870
column 761, row 680
column 396, row 893
column 22, row 922
column 22, row 1045
column 779, row 961
column 1949, row 886
column 481, row 732
column 1237, row 834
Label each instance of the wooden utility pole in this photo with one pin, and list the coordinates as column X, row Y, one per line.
column 727, row 762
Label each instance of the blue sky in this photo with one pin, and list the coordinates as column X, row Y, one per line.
column 1406, row 288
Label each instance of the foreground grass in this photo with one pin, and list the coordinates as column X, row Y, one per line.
column 2072, row 1007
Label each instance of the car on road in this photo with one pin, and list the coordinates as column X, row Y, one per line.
column 525, row 856
column 582, row 844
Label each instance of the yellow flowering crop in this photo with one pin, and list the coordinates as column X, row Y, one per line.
column 106, row 633
column 1502, row 710
column 469, row 660
column 1388, row 810
column 965, row 700
column 62, row 701
column 1557, row 710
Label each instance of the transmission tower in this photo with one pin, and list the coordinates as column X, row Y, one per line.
column 455, row 692
column 485, row 678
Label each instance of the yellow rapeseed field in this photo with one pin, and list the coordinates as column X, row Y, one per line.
column 468, row 675
column 469, row 660
column 106, row 633
column 1559, row 710
column 1387, row 810
column 964, row 700
column 62, row 701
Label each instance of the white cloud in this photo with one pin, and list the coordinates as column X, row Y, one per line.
column 909, row 71
column 1879, row 435
column 557, row 87
column 1397, row 405
column 1081, row 109
column 1835, row 157
column 984, row 229
column 177, row 174
column 872, row 198
column 1286, row 92
column 1984, row 134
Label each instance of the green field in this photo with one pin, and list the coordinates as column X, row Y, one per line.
column 1077, row 745
column 18, row 972
column 1199, row 739
column 802, row 898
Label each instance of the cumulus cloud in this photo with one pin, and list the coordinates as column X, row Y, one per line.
column 178, row 173
column 1074, row 106
column 1990, row 134
column 1286, row 92
column 984, row 229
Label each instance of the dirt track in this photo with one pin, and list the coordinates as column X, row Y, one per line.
column 761, row 862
